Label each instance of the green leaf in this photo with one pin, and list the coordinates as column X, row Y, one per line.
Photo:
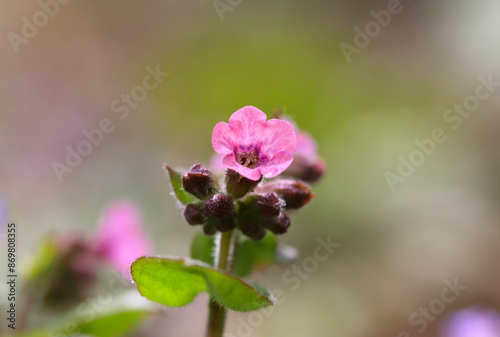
column 261, row 288
column 113, row 318
column 203, row 248
column 43, row 259
column 116, row 318
column 115, row 325
column 177, row 281
column 251, row 255
column 176, row 181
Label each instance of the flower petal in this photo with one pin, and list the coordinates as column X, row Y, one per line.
column 120, row 237
column 252, row 174
column 276, row 165
column 306, row 145
column 278, row 136
column 224, row 138
column 248, row 122
column 216, row 162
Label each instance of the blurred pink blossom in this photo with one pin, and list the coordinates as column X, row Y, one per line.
column 307, row 165
column 254, row 147
column 306, row 146
column 217, row 162
column 120, row 238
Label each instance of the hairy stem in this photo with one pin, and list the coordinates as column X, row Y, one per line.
column 217, row 314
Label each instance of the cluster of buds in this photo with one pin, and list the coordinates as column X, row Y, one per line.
column 69, row 272
column 251, row 149
column 249, row 205
column 71, row 277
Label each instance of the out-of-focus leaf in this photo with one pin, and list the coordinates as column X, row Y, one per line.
column 254, row 254
column 115, row 325
column 116, row 318
column 202, row 248
column 42, row 260
column 176, row 181
column 112, row 316
column 177, row 281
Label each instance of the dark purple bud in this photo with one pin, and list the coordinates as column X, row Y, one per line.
column 219, row 206
column 225, row 224
column 279, row 224
column 72, row 275
column 209, row 228
column 313, row 172
column 237, row 185
column 295, row 193
column 199, row 181
column 269, row 205
column 194, row 213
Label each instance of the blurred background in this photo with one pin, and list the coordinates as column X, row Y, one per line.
column 366, row 99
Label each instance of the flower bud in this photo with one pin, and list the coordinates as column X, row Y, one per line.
column 220, row 211
column 295, row 193
column 71, row 276
column 249, row 223
column 194, row 213
column 225, row 224
column 237, row 185
column 279, row 224
column 219, row 206
column 312, row 172
column 269, row 205
column 252, row 229
column 209, row 228
column 199, row 182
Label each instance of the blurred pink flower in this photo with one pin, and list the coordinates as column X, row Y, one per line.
column 217, row 162
column 120, row 238
column 254, row 147
column 473, row 322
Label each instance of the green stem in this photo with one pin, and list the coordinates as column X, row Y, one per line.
column 216, row 319
column 217, row 314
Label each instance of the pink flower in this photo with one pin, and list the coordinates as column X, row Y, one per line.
column 217, row 162
column 254, row 147
column 306, row 146
column 307, row 165
column 120, row 238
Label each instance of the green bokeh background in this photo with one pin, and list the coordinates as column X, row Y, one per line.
column 397, row 247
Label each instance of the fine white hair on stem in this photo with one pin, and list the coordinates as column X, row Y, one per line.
column 215, row 251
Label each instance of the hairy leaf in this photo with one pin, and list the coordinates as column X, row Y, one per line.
column 177, row 281
column 176, row 181
column 203, row 247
